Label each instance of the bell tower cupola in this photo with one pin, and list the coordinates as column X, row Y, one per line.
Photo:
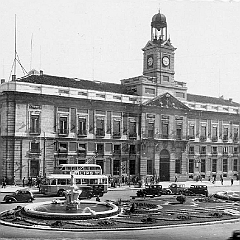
column 159, row 27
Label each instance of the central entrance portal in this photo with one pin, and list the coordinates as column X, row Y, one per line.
column 164, row 168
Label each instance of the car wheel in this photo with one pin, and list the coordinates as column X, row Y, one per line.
column 30, row 200
column 11, row 200
column 180, row 192
column 60, row 193
column 168, row 192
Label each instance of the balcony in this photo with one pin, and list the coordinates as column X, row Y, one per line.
column 82, row 133
column 100, row 154
column 214, row 153
column 164, row 136
column 35, row 131
column 62, row 132
column 132, row 135
column 116, row 135
column 225, row 138
column 81, row 154
column 203, row 153
column 202, row 138
column 116, row 152
column 100, row 133
column 190, row 138
column 235, row 139
column 214, row 139
column 191, row 152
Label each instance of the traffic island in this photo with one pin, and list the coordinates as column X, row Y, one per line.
column 137, row 214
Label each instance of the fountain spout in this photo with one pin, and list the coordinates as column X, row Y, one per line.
column 72, row 201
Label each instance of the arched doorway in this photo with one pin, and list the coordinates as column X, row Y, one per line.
column 164, row 165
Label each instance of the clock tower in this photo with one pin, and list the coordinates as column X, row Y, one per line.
column 158, row 54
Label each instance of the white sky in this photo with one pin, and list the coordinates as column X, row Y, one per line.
column 102, row 40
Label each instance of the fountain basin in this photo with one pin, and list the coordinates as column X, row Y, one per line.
column 57, row 211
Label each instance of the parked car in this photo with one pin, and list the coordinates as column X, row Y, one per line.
column 87, row 192
column 174, row 188
column 19, row 196
column 197, row 189
column 152, row 190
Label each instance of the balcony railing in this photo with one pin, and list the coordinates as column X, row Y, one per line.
column 214, row 153
column 116, row 135
column 225, row 138
column 214, row 139
column 235, row 139
column 100, row 133
column 190, row 137
column 63, row 131
column 35, row 131
column 117, row 152
column 203, row 138
column 132, row 135
column 82, row 133
column 191, row 152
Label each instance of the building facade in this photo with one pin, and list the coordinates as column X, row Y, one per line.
column 147, row 127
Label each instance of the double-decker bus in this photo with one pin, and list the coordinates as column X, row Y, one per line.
column 86, row 175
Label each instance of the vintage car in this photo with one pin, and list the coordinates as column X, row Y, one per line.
column 150, row 190
column 197, row 190
column 19, row 196
column 174, row 188
column 87, row 192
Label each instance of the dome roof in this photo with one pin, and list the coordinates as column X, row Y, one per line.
column 159, row 21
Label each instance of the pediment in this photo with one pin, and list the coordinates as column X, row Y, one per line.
column 149, row 44
column 168, row 44
column 166, row 100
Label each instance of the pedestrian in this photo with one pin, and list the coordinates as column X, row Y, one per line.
column 209, row 178
column 231, row 181
column 214, row 179
column 23, row 182
column 175, row 178
column 221, row 179
column 4, row 183
column 14, row 181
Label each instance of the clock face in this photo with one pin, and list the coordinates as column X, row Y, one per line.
column 165, row 61
column 150, row 61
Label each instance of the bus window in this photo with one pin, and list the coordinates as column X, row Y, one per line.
column 85, row 181
column 78, row 181
column 93, row 181
column 53, row 182
column 68, row 181
column 61, row 181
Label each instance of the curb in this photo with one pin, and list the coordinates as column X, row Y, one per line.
column 48, row 228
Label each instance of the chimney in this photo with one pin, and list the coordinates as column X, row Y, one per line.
column 13, row 77
column 2, row 80
column 41, row 72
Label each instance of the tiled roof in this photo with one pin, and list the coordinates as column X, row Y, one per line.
column 211, row 100
column 76, row 83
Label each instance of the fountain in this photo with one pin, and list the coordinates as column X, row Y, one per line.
column 71, row 208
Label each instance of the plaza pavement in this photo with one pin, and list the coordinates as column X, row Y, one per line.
column 12, row 188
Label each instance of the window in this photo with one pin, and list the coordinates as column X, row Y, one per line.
column 179, row 132
column 178, row 165
column 132, row 129
column 225, row 150
column 82, row 131
column 100, row 127
column 235, row 150
column 225, row 133
column 117, row 149
column 62, row 147
column 214, row 150
column 82, row 150
column 166, row 78
column 35, row 124
column 116, row 128
column 235, row 164
column 203, row 131
column 191, row 166
column 151, row 130
column 180, row 94
column 191, row 132
column 117, row 97
column 150, row 91
column 100, row 95
column 116, row 167
column 202, row 150
column 132, row 167
column 132, row 149
column 214, row 165
column 82, row 93
column 165, row 130
column 191, row 150
column 214, row 134
column 203, row 165
column 225, row 165
column 235, row 134
column 149, row 167
column 35, row 147
column 63, row 125
column 100, row 149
